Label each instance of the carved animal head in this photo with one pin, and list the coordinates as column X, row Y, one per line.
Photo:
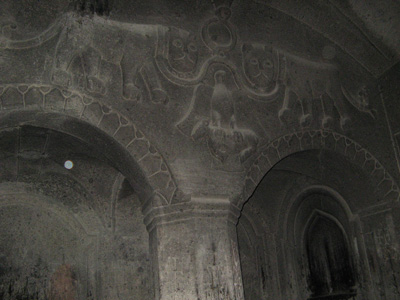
column 360, row 100
column 182, row 51
column 259, row 67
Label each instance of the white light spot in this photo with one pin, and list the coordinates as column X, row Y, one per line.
column 68, row 164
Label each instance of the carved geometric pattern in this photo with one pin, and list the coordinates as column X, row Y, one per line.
column 108, row 120
column 326, row 140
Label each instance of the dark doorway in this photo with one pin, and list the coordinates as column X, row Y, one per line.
column 331, row 275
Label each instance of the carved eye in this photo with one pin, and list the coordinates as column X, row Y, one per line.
column 177, row 43
column 192, row 47
column 254, row 61
column 267, row 63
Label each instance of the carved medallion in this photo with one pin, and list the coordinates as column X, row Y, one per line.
column 218, row 34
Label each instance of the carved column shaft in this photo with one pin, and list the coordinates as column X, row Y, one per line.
column 195, row 251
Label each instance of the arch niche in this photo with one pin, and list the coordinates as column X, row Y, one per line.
column 140, row 174
column 315, row 188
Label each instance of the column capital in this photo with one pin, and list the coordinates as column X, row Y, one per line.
column 199, row 206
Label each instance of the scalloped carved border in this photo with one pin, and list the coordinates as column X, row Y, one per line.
column 50, row 98
column 325, row 140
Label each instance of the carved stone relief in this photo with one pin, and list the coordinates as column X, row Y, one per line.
column 261, row 68
column 180, row 56
column 311, row 82
column 308, row 90
column 103, row 57
column 218, row 33
column 360, row 100
column 223, row 104
column 6, row 28
column 213, row 116
column 81, row 62
column 94, row 55
column 10, row 26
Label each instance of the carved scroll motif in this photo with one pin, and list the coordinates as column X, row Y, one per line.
column 184, row 59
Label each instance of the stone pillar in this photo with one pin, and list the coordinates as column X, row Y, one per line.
column 195, row 251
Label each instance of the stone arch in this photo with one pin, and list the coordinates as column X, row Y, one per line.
column 312, row 245
column 313, row 189
column 296, row 214
column 292, row 202
column 39, row 103
column 295, row 219
column 291, row 143
column 319, row 213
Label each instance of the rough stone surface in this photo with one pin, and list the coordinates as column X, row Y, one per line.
column 225, row 149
